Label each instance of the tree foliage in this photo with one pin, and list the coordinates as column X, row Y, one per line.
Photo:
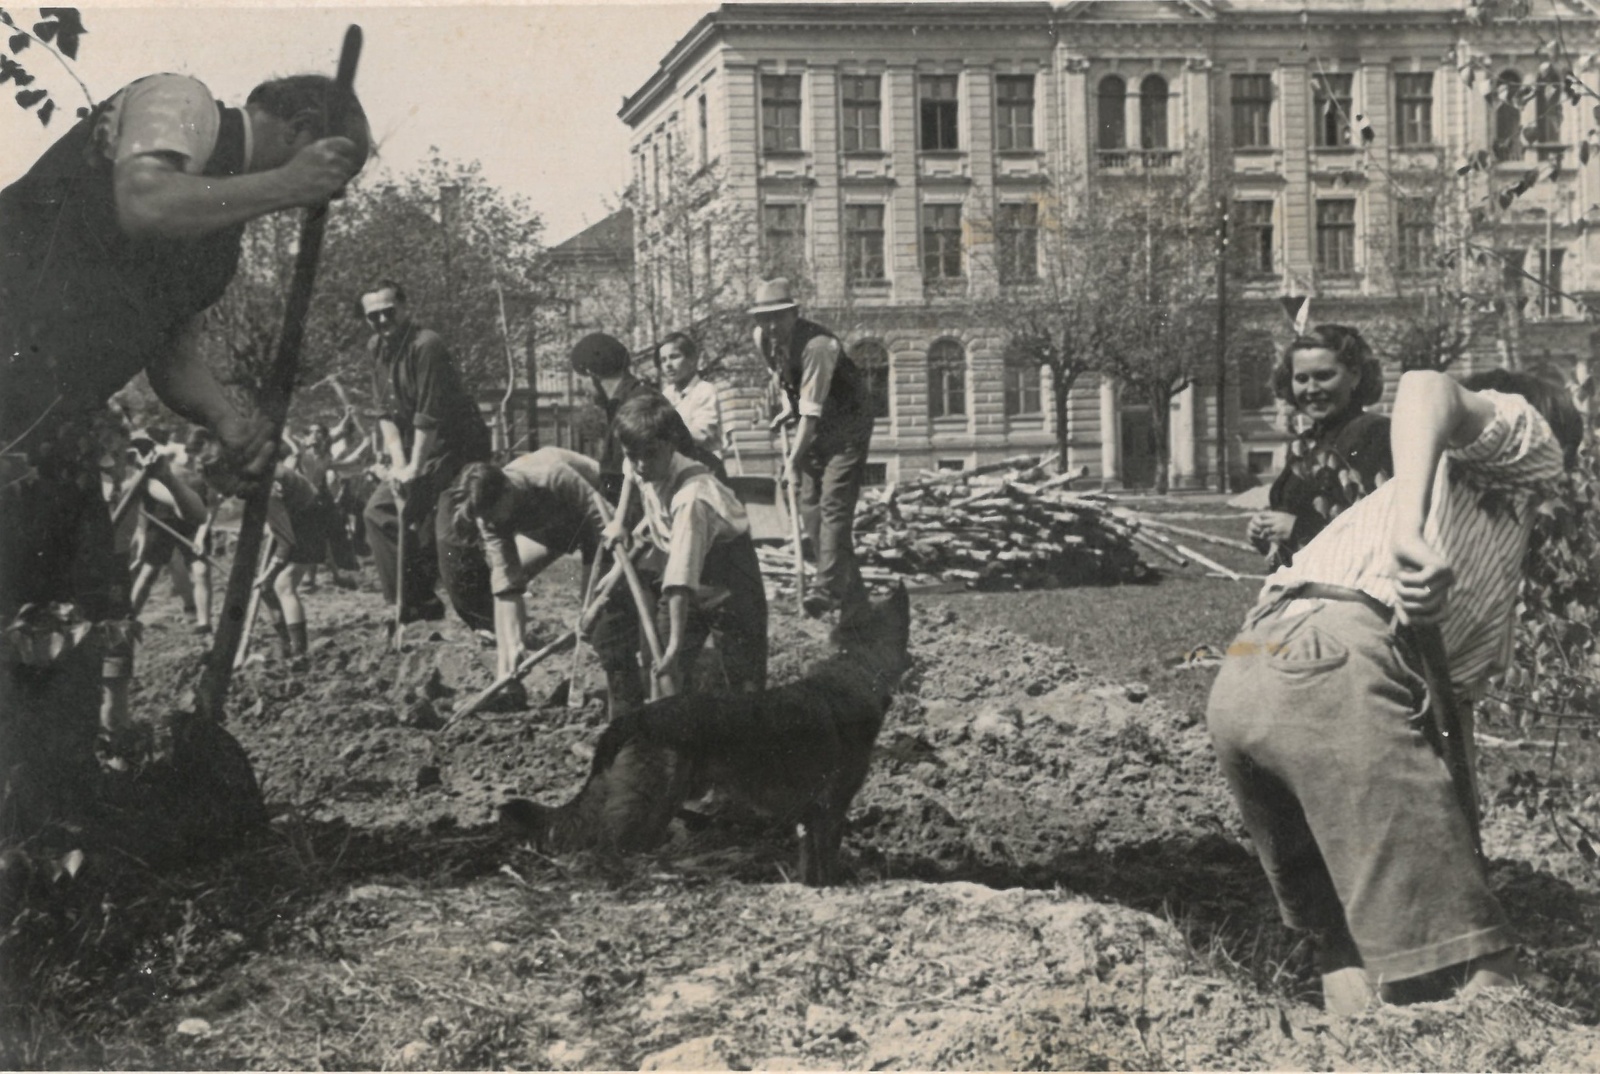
column 57, row 32
column 446, row 235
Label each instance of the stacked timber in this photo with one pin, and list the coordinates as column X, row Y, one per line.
column 1008, row 525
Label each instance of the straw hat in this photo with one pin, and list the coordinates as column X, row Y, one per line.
column 773, row 296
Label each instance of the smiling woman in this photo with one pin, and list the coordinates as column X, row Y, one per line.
column 1330, row 375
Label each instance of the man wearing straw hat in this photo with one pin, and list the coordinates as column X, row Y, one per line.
column 825, row 401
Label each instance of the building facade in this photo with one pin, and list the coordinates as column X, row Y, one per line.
column 901, row 159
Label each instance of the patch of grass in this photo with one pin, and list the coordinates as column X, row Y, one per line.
column 1124, row 633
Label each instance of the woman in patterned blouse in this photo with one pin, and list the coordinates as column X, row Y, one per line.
column 1330, row 375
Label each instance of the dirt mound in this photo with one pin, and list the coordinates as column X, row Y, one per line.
column 1045, row 872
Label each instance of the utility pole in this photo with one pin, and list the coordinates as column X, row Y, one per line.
column 1222, row 345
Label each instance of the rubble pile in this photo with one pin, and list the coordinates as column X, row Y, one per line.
column 1009, row 525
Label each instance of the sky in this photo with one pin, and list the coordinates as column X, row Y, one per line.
column 530, row 90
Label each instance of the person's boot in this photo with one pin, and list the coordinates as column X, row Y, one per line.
column 299, row 643
column 285, row 646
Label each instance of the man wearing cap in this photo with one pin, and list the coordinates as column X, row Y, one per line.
column 112, row 247
column 825, row 400
column 430, row 428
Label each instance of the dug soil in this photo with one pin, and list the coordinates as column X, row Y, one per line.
column 1045, row 871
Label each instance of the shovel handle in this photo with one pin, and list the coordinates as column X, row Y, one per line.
column 525, row 665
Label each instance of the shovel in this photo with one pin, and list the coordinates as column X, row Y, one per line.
column 793, row 501
column 276, row 389
column 397, row 636
column 568, row 692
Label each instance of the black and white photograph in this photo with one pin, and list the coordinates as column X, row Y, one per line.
column 826, row 535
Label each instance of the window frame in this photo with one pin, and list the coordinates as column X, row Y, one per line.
column 1414, row 216
column 1413, row 110
column 775, row 109
column 1118, row 115
column 854, row 235
column 1331, row 128
column 1021, row 382
column 1007, row 235
column 946, row 114
column 874, row 371
column 947, row 380
column 1256, row 108
column 796, row 237
column 1154, row 113
column 1344, row 230
column 852, row 105
column 1261, row 251
column 1007, row 128
column 942, row 243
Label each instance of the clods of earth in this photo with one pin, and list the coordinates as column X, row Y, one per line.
column 1045, row 871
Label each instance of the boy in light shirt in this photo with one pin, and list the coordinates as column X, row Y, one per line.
column 709, row 573
column 696, row 399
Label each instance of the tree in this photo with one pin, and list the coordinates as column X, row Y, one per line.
column 1050, row 298
column 1157, row 260
column 453, row 241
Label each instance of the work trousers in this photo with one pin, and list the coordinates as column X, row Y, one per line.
column 433, row 551
column 830, row 484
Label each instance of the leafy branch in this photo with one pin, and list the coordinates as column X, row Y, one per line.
column 57, row 32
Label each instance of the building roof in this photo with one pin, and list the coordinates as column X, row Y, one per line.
column 609, row 240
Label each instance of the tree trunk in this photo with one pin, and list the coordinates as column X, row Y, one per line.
column 1061, row 382
column 1161, row 434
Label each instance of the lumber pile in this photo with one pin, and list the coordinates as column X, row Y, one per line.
column 1007, row 525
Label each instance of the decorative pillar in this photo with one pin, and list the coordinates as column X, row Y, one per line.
column 1181, row 445
column 1110, row 435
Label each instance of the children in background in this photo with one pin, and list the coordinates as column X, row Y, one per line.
column 695, row 399
column 297, row 542
column 1331, row 714
column 709, row 573
column 175, row 497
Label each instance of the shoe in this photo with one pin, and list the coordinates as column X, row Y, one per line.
column 202, row 629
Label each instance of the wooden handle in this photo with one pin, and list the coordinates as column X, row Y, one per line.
column 525, row 665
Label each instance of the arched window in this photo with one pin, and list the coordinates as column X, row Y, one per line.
column 1153, row 113
column 947, row 380
column 1508, row 116
column 1547, row 120
column 1254, row 359
column 1022, row 395
column 873, row 360
column 1113, row 121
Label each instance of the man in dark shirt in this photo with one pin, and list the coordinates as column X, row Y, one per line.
column 430, row 428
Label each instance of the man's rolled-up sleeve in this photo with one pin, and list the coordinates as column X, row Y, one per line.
column 816, row 375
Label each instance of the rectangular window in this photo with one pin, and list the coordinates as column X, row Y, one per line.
column 705, row 133
column 863, row 238
column 1413, row 98
column 1331, row 109
column 1013, row 97
column 1252, row 111
column 941, row 242
column 1336, row 236
column 655, row 171
column 1023, row 398
column 1254, row 239
column 939, row 110
column 947, row 392
column 1017, row 242
column 780, row 113
column 783, row 239
column 1414, row 235
column 863, row 113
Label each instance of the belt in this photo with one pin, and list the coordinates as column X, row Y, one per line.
column 1323, row 591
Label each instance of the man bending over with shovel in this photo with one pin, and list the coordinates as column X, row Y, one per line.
column 540, row 507
column 111, row 247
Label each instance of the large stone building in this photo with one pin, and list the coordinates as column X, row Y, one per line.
column 897, row 156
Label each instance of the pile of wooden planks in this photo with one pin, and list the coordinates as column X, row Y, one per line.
column 1007, row 525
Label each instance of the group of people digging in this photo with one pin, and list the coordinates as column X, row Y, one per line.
column 1336, row 715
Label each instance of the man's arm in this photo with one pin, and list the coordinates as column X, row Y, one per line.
column 157, row 199
column 183, row 381
column 393, row 445
column 1432, row 413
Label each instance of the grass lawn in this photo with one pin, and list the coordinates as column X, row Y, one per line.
column 1136, row 633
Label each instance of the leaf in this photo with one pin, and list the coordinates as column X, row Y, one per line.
column 46, row 31
column 71, row 862
column 46, row 110
column 18, row 42
column 1586, row 850
column 29, row 98
column 5, row 17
